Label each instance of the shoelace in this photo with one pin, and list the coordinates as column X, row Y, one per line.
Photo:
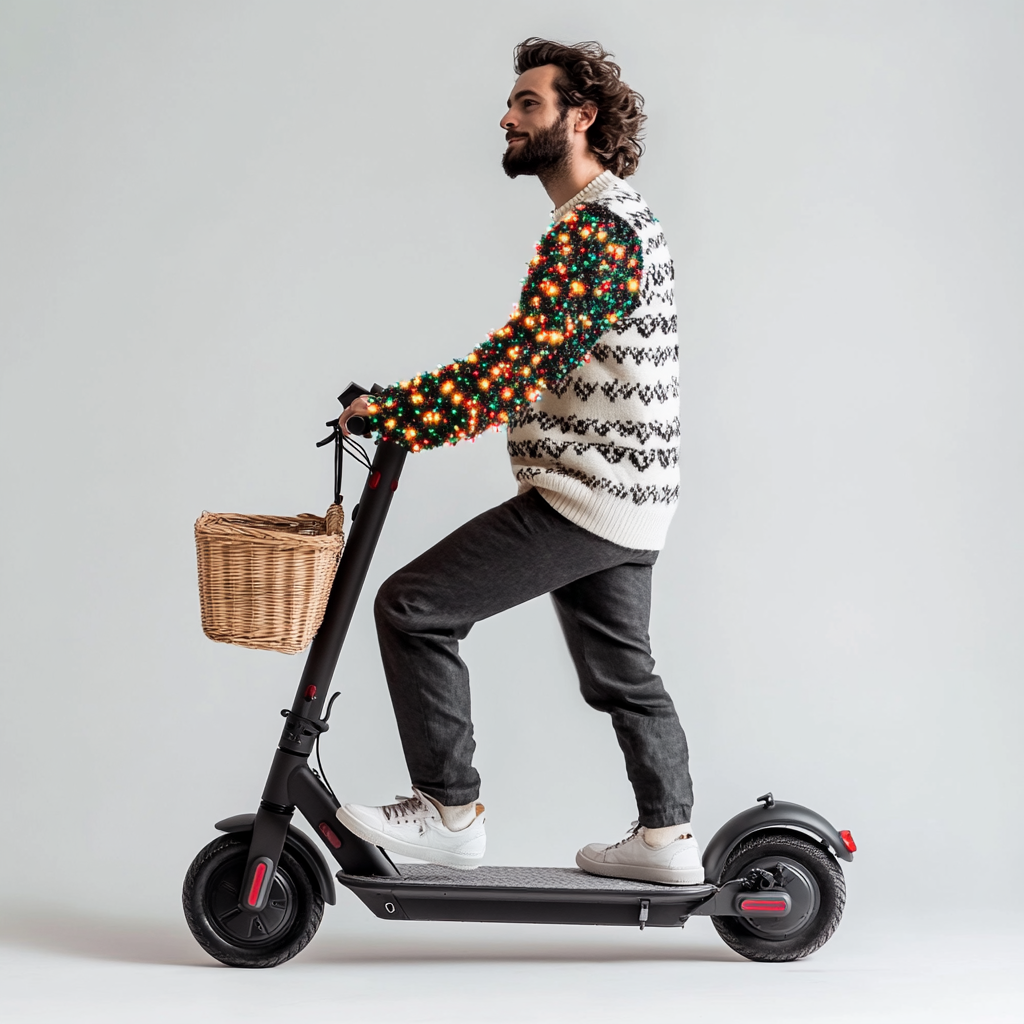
column 634, row 831
column 406, row 807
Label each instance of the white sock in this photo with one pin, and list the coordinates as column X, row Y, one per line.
column 458, row 817
column 659, row 838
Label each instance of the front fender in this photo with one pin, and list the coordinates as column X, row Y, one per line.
column 298, row 844
column 781, row 816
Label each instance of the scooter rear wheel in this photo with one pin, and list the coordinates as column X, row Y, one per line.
column 816, row 886
column 210, row 901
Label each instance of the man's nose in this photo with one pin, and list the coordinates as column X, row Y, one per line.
column 508, row 122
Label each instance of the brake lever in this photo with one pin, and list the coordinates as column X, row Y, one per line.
column 332, row 436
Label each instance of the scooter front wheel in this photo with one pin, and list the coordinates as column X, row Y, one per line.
column 210, row 898
column 816, row 887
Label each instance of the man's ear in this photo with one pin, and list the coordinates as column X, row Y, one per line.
column 586, row 115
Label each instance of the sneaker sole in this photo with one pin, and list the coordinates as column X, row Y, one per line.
column 638, row 873
column 447, row 858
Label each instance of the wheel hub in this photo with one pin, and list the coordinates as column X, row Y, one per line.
column 803, row 893
column 244, row 928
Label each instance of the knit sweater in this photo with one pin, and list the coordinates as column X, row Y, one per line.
column 584, row 374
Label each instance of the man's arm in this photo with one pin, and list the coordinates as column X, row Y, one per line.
column 584, row 278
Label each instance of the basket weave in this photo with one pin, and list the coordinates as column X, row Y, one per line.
column 264, row 580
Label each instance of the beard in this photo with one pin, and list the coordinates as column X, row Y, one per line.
column 547, row 150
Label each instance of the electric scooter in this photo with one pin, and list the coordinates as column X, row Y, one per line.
column 254, row 897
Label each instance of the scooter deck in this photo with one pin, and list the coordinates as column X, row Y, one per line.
column 427, row 892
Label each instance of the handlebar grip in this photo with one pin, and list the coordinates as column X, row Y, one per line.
column 357, row 425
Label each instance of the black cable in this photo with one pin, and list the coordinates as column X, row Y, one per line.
column 319, row 763
column 357, row 451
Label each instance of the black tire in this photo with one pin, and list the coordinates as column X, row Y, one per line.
column 813, row 879
column 210, row 900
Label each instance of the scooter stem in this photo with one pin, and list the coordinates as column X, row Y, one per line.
column 290, row 782
column 318, row 672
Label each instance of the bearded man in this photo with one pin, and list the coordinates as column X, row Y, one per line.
column 584, row 377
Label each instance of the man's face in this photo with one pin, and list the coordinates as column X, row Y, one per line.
column 535, row 126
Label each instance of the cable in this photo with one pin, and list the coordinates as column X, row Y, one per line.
column 357, row 451
column 319, row 763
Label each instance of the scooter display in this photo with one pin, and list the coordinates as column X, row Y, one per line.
column 254, row 897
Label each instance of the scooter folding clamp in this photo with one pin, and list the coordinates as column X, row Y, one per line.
column 298, row 727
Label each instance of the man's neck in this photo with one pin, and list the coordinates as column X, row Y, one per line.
column 562, row 183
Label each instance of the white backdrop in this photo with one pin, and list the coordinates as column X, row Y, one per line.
column 215, row 215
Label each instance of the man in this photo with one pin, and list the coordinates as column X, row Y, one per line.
column 584, row 377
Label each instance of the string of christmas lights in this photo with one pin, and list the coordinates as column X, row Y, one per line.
column 584, row 278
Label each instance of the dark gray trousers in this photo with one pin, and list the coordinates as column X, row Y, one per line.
column 602, row 594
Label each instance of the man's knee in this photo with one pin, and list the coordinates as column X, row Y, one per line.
column 391, row 605
column 644, row 694
column 408, row 602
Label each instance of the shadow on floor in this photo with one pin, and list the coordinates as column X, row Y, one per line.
column 516, row 947
column 75, row 933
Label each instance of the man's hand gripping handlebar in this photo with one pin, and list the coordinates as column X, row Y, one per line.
column 355, row 415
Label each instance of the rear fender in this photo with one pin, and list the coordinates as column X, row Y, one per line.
column 298, row 844
column 773, row 816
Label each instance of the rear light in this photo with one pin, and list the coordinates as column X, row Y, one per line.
column 752, row 906
column 848, row 840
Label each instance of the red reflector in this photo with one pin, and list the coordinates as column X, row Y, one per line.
column 257, row 883
column 394, row 485
column 848, row 840
column 329, row 835
column 310, row 692
column 763, row 906
column 374, row 480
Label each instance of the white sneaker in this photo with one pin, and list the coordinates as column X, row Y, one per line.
column 678, row 863
column 413, row 828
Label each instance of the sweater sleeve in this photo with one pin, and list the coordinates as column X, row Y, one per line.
column 584, row 278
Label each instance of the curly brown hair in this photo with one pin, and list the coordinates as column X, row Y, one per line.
column 587, row 74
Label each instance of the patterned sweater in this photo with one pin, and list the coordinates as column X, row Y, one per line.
column 584, row 374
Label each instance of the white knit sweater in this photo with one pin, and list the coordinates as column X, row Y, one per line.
column 584, row 374
column 602, row 443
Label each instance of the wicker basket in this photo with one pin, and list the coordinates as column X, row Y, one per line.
column 264, row 580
